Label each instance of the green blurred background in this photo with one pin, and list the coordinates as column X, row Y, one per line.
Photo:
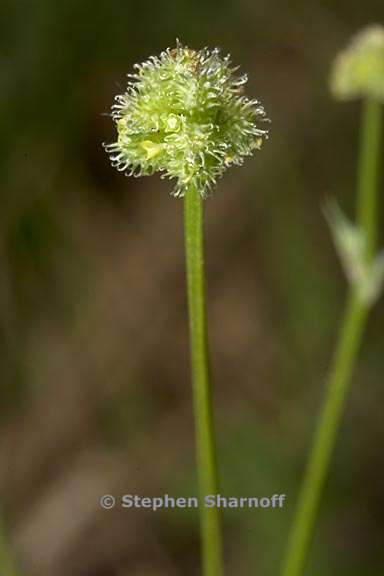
column 95, row 391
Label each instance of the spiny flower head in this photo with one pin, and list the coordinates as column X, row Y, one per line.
column 359, row 69
column 184, row 114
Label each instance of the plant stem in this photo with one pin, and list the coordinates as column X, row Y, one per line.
column 369, row 158
column 352, row 330
column 301, row 534
column 205, row 437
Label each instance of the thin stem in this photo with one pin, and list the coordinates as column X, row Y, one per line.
column 301, row 535
column 352, row 330
column 368, row 172
column 205, row 437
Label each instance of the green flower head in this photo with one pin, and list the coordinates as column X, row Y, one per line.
column 184, row 115
column 358, row 71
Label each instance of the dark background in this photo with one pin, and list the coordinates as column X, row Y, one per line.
column 95, row 391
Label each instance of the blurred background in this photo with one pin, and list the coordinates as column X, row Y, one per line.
column 95, row 393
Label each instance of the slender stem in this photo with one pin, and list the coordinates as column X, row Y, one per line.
column 205, row 437
column 369, row 158
column 352, row 330
column 301, row 534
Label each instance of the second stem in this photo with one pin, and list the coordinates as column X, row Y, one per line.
column 351, row 334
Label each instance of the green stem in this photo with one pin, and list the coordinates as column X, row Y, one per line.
column 350, row 337
column 369, row 158
column 205, row 437
column 301, row 534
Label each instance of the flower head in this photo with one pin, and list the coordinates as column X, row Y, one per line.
column 184, row 114
column 359, row 69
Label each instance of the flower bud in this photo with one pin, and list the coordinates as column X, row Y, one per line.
column 358, row 71
column 184, row 115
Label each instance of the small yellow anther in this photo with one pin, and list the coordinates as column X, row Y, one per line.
column 151, row 148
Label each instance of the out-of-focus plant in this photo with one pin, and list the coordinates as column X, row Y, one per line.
column 357, row 72
column 184, row 114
